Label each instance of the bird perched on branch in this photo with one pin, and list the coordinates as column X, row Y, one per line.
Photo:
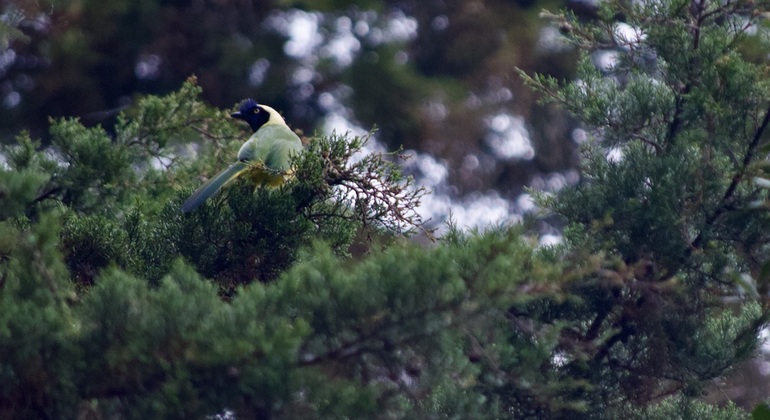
column 265, row 159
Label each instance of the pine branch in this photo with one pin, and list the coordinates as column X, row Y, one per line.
column 725, row 203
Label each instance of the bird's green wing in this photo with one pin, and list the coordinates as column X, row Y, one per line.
column 285, row 145
column 273, row 146
column 213, row 185
column 279, row 158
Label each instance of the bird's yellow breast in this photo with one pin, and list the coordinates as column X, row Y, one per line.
column 263, row 177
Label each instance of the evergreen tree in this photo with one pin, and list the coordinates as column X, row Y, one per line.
column 674, row 192
column 113, row 304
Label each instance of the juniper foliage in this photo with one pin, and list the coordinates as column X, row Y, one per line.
column 673, row 197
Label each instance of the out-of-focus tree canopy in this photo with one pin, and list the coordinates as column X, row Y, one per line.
column 433, row 76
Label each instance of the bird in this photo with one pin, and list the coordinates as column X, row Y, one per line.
column 264, row 159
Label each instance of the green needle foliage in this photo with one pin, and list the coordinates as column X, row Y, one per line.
column 677, row 211
column 114, row 304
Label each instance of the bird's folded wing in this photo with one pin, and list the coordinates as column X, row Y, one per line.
column 213, row 185
column 276, row 144
column 279, row 157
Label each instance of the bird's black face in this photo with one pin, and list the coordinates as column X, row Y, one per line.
column 252, row 113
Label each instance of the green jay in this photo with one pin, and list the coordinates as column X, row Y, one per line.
column 265, row 159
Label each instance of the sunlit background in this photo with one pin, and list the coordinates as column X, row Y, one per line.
column 434, row 77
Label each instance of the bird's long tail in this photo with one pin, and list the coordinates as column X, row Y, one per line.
column 213, row 185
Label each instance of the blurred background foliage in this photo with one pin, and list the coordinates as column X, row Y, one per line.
column 435, row 76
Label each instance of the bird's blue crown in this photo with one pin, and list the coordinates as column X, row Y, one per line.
column 254, row 114
column 248, row 106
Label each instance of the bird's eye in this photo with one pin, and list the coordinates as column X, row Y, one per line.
column 256, row 110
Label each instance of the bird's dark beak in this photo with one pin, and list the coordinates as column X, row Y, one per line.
column 237, row 114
